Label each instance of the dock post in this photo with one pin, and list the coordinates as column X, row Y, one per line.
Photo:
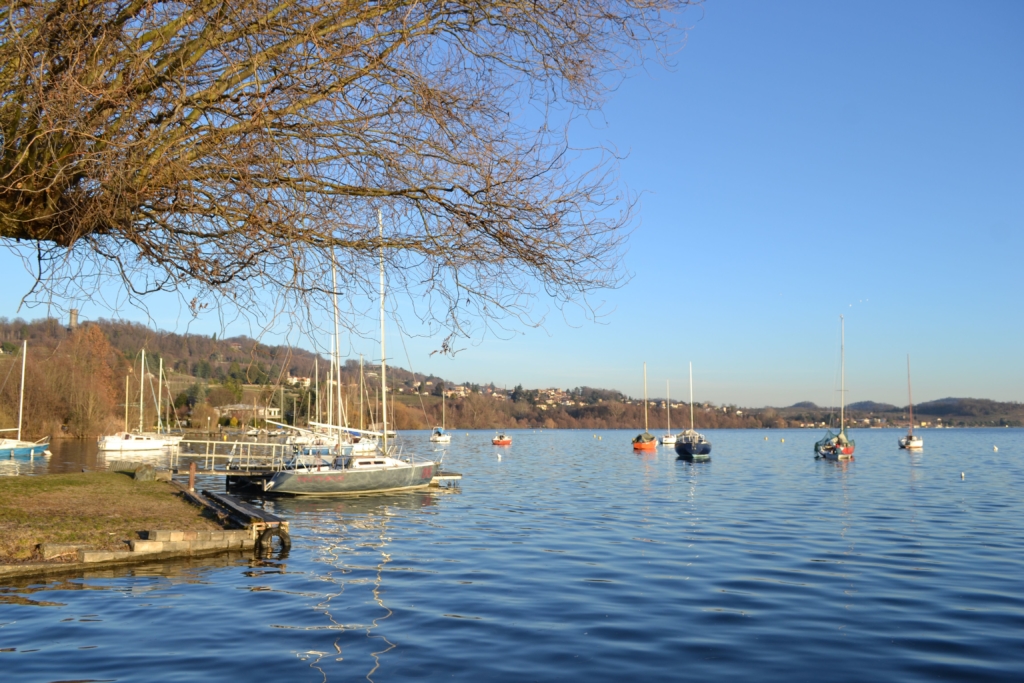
column 192, row 476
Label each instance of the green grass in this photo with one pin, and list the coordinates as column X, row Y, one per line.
column 100, row 509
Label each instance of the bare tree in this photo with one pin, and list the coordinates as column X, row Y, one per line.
column 232, row 150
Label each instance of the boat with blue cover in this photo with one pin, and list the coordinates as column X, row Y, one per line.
column 691, row 444
column 17, row 446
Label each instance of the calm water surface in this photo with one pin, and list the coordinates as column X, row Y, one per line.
column 567, row 557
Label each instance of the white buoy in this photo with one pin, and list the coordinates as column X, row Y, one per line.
column 961, row 475
column 766, row 438
column 782, row 441
column 995, row 448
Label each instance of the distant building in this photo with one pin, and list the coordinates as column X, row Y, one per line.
column 244, row 412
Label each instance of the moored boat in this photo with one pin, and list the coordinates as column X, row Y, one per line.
column 316, row 475
column 668, row 439
column 502, row 439
column 645, row 441
column 838, row 446
column 910, row 442
column 353, row 473
column 17, row 446
column 691, row 444
column 127, row 441
column 439, row 435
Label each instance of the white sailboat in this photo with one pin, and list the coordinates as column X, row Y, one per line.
column 354, row 473
column 135, row 441
column 669, row 439
column 439, row 435
column 15, row 446
column 910, row 441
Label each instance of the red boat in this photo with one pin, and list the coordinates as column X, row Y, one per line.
column 501, row 439
column 838, row 446
column 645, row 441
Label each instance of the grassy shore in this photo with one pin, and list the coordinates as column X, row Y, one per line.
column 100, row 509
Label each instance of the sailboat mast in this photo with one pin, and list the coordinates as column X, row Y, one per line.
column 910, row 396
column 21, row 396
column 383, row 347
column 159, row 397
column 668, row 409
column 316, row 384
column 127, row 379
column 842, row 374
column 645, row 397
column 442, row 405
column 337, row 337
column 691, row 395
column 362, row 390
column 142, row 385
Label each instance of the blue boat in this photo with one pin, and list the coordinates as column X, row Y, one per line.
column 12, row 448
column 691, row 444
column 16, row 446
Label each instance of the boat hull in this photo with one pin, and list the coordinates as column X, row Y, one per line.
column 668, row 440
column 339, row 482
column 645, row 445
column 136, row 443
column 693, row 451
column 912, row 443
column 12, row 448
column 844, row 452
column 502, row 442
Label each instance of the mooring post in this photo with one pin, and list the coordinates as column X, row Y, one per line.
column 192, row 476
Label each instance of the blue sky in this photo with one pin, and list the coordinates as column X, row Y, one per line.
column 801, row 160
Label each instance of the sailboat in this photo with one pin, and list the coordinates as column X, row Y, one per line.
column 837, row 446
column 645, row 441
column 354, row 473
column 911, row 442
column 691, row 444
column 439, row 435
column 137, row 441
column 15, row 446
column 669, row 439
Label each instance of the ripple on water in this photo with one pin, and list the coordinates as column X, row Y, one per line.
column 573, row 558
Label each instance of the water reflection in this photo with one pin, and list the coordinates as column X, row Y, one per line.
column 351, row 536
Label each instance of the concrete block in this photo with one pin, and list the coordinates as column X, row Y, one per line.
column 103, row 556
column 189, row 535
column 177, row 536
column 201, row 546
column 161, row 535
column 147, row 546
column 177, row 546
column 52, row 550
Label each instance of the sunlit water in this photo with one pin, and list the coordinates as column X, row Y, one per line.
column 568, row 557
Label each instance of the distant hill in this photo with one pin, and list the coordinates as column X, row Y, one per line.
column 967, row 407
column 806, row 405
column 873, row 407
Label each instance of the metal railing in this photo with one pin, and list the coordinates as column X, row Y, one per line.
column 234, row 454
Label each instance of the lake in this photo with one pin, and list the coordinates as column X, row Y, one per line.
column 567, row 557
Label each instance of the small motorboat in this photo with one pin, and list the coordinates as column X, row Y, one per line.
column 501, row 439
